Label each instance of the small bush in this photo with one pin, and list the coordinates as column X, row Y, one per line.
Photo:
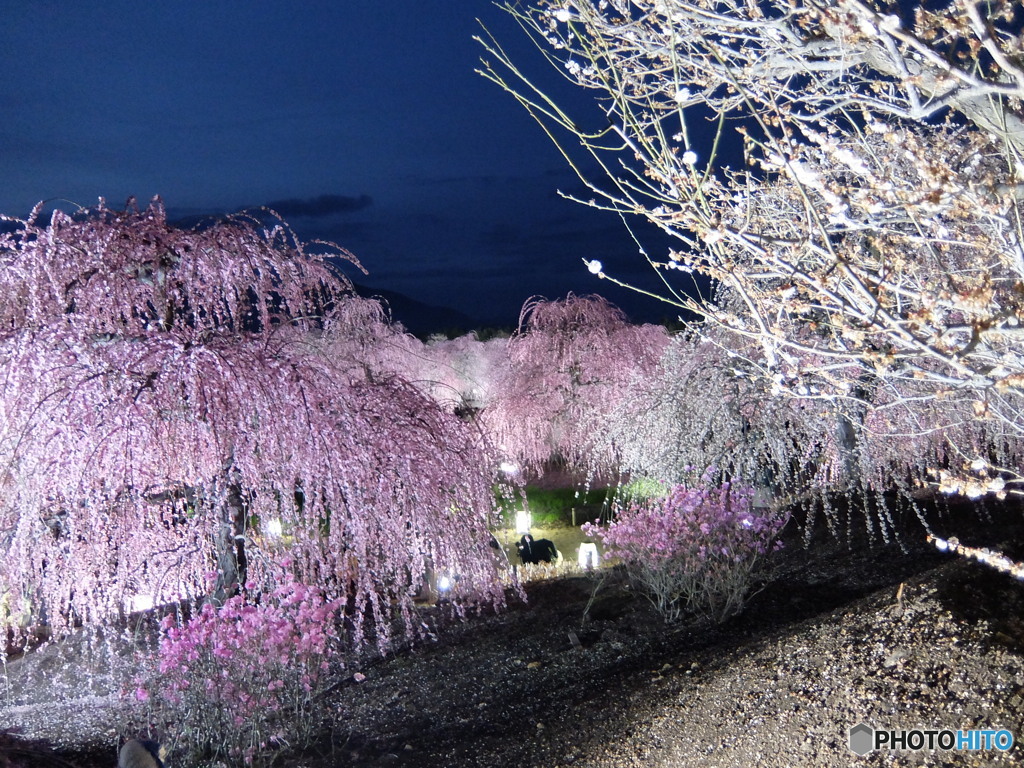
column 695, row 549
column 245, row 677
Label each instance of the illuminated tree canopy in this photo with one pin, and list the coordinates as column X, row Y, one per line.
column 570, row 364
column 866, row 241
column 167, row 413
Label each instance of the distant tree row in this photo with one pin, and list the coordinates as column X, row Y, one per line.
column 579, row 387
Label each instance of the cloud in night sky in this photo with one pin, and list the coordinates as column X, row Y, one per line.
column 319, row 207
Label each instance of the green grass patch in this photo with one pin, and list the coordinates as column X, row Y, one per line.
column 642, row 489
column 554, row 507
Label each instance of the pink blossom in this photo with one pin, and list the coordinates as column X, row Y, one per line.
column 254, row 659
column 694, row 549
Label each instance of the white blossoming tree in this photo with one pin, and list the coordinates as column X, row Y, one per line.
column 866, row 235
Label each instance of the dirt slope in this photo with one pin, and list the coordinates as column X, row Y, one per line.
column 583, row 678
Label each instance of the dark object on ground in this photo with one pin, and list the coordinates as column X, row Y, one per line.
column 539, row 551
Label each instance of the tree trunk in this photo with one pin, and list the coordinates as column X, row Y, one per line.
column 232, row 562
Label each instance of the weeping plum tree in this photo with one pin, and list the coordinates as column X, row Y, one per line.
column 570, row 363
column 463, row 373
column 703, row 413
column 460, row 374
column 165, row 416
column 699, row 409
column 867, row 234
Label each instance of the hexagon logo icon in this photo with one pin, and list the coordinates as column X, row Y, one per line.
column 862, row 737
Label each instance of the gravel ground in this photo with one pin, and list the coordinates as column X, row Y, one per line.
column 585, row 674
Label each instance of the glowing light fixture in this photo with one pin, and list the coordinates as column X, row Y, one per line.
column 508, row 467
column 140, row 603
column 588, row 557
column 524, row 521
column 274, row 528
column 444, row 584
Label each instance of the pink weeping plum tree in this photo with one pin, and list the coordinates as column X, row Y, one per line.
column 463, row 373
column 169, row 420
column 571, row 362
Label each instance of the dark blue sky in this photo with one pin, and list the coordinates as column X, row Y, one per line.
column 363, row 120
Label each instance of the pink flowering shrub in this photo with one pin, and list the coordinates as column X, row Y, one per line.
column 237, row 680
column 695, row 549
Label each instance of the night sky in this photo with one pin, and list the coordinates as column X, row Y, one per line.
column 361, row 122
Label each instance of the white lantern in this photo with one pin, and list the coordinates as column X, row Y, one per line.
column 588, row 557
column 140, row 603
column 524, row 521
